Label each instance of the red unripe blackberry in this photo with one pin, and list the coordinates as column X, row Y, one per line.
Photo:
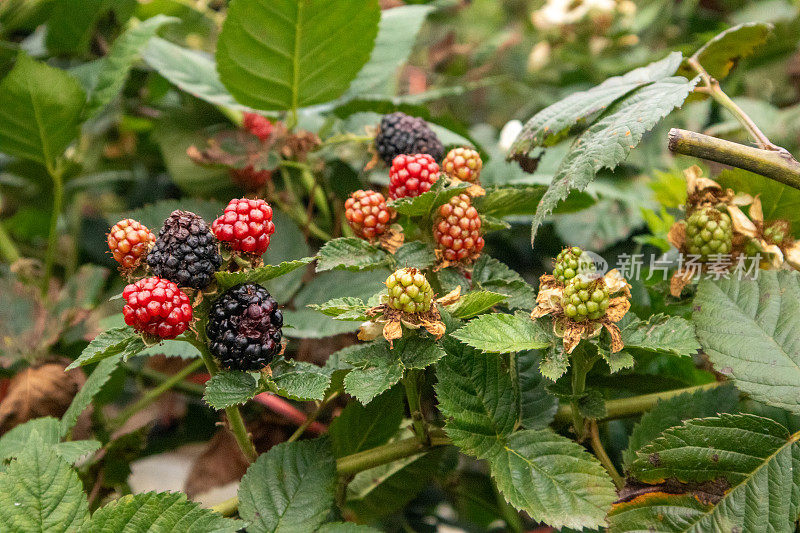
column 258, row 125
column 250, row 179
column 244, row 328
column 399, row 133
column 245, row 226
column 463, row 164
column 409, row 291
column 367, row 214
column 186, row 251
column 157, row 307
column 457, row 230
column 412, row 175
column 129, row 242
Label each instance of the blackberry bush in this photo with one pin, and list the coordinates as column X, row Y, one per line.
column 367, row 214
column 245, row 226
column 412, row 175
column 399, row 134
column 244, row 328
column 157, row 307
column 185, row 252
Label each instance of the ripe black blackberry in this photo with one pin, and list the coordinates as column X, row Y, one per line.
column 401, row 134
column 186, row 251
column 244, row 328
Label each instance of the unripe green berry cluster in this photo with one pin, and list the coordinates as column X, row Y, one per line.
column 567, row 264
column 409, row 291
column 778, row 232
column 585, row 299
column 708, row 232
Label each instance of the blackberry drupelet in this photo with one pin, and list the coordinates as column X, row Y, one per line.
column 186, row 251
column 401, row 134
column 244, row 328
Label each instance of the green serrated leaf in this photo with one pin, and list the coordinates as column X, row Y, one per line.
column 40, row 109
column 44, row 431
column 158, row 511
column 749, row 329
column 95, row 382
column 360, row 427
column 346, row 308
column 616, row 361
column 501, row 333
column 609, row 140
column 749, row 453
column 554, row 363
column 474, row 303
column 554, row 479
column 501, row 201
column 350, row 253
column 661, row 333
column 424, row 204
column 282, row 54
column 119, row 61
column 415, row 254
column 665, row 513
column 39, row 492
column 536, row 406
column 290, row 488
column 552, row 123
column 299, row 380
column 228, row 388
column 259, row 275
column 492, row 275
column 719, row 55
column 778, row 201
column 190, row 70
column 672, row 412
column 123, row 341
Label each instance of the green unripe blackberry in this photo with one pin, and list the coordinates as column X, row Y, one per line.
column 585, row 299
column 409, row 291
column 708, row 232
column 778, row 232
column 568, row 264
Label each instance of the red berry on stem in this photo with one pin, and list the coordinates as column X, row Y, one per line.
column 157, row 307
column 258, row 125
column 250, row 179
column 367, row 214
column 246, row 226
column 129, row 241
column 412, row 175
column 457, row 230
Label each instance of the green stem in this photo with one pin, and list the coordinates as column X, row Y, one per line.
column 580, row 367
column 8, row 250
column 52, row 240
column 602, row 455
column 153, row 394
column 411, row 384
column 312, row 417
column 155, row 376
column 350, row 465
column 635, row 405
column 777, row 165
column 234, row 416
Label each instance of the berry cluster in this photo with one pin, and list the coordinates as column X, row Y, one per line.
column 244, row 328
column 585, row 299
column 412, row 175
column 401, row 134
column 457, row 230
column 568, row 264
column 367, row 214
column 409, row 291
column 463, row 164
column 245, row 226
column 258, row 125
column 129, row 241
column 185, row 252
column 708, row 232
column 157, row 307
column 778, row 232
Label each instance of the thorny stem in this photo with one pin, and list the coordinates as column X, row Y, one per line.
column 602, row 456
column 777, row 165
column 312, row 417
column 411, row 384
column 711, row 87
column 153, row 395
column 234, row 416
